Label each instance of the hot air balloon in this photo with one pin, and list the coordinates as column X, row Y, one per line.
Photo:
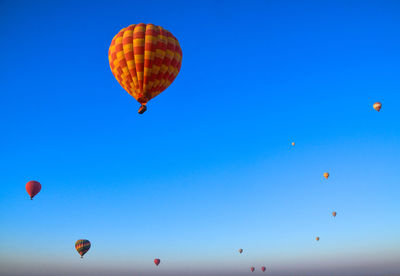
column 317, row 238
column 240, row 251
column 252, row 269
column 334, row 214
column 326, row 175
column 263, row 268
column 377, row 106
column 33, row 188
column 293, row 143
column 157, row 261
column 145, row 59
column 82, row 246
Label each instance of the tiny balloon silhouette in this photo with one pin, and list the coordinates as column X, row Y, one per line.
column 157, row 262
column 334, row 214
column 263, row 268
column 326, row 175
column 240, row 250
column 252, row 269
column 317, row 238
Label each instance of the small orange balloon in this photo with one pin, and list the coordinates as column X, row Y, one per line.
column 326, row 175
column 334, row 214
column 317, row 238
column 377, row 106
column 293, row 143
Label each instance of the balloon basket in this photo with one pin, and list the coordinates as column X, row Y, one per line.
column 142, row 109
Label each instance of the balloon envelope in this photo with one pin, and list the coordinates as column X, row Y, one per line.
column 33, row 188
column 252, row 269
column 82, row 246
column 317, row 238
column 240, row 251
column 326, row 175
column 377, row 106
column 145, row 59
column 334, row 214
column 263, row 269
column 157, row 262
column 293, row 143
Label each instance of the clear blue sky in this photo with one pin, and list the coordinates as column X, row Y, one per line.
column 209, row 167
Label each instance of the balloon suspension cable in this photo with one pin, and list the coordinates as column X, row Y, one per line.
column 81, row 257
column 142, row 109
column 31, row 197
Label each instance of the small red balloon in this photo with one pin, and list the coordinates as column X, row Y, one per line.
column 33, row 188
column 252, row 269
column 157, row 261
column 263, row 268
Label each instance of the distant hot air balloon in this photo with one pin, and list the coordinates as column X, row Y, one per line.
column 293, row 143
column 145, row 59
column 326, row 175
column 240, row 251
column 317, row 238
column 33, row 188
column 252, row 269
column 82, row 246
column 334, row 214
column 263, row 268
column 377, row 106
column 157, row 261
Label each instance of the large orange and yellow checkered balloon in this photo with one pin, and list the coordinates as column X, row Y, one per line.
column 145, row 59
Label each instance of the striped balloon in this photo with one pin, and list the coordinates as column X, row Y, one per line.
column 82, row 246
column 145, row 59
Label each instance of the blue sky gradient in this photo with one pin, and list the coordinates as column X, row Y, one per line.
column 209, row 168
